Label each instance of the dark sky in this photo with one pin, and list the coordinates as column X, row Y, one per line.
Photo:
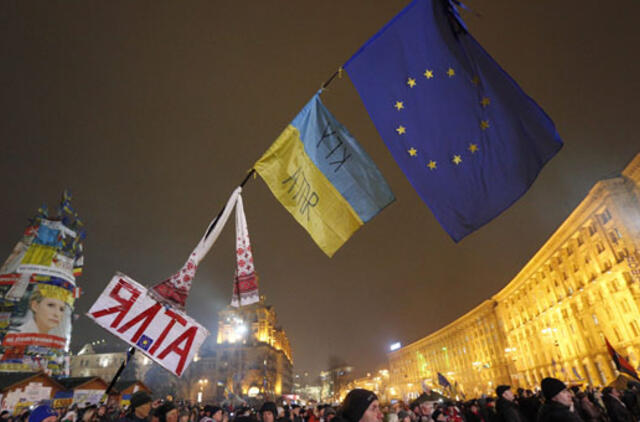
column 151, row 112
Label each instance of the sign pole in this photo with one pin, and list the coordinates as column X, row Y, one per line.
column 123, row 365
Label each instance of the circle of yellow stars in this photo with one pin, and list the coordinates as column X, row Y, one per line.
column 456, row 159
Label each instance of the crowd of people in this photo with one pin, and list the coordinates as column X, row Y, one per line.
column 554, row 402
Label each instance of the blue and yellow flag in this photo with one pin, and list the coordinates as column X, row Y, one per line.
column 470, row 141
column 323, row 177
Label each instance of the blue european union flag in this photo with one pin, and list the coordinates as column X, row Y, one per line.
column 467, row 137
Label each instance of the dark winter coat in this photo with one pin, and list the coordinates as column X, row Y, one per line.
column 508, row 411
column 617, row 411
column 553, row 411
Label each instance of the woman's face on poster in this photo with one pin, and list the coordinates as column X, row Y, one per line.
column 47, row 313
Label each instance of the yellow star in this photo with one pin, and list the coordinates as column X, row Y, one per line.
column 401, row 130
column 473, row 148
column 456, row 160
column 412, row 152
column 411, row 82
column 432, row 165
column 475, row 80
column 428, row 73
column 399, row 105
column 484, row 124
column 485, row 101
column 451, row 72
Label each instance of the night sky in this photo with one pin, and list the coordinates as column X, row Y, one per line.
column 151, row 112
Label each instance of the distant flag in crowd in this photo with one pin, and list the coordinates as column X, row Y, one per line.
column 469, row 140
column 621, row 363
column 245, row 286
column 323, row 177
column 575, row 372
column 443, row 381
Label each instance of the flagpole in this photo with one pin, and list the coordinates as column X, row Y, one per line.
column 130, row 353
column 336, row 73
column 215, row 221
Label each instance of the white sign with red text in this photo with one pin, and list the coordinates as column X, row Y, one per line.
column 165, row 334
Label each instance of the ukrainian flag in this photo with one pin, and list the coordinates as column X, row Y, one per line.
column 323, row 177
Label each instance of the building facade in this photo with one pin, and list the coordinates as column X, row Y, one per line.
column 98, row 360
column 251, row 358
column 552, row 319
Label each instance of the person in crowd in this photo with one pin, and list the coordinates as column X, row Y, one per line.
column 329, row 413
column 168, row 412
column 472, row 412
column 404, row 416
column 558, row 405
column 506, row 406
column 140, row 407
column 588, row 411
column 616, row 409
column 631, row 398
column 359, row 405
column 529, row 405
column 438, row 415
column 43, row 413
column 295, row 413
column 268, row 412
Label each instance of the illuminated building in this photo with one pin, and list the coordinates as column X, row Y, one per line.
column 251, row 358
column 334, row 381
column 378, row 382
column 551, row 320
column 98, row 359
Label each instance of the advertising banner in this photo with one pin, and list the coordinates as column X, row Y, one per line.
column 38, row 290
column 165, row 334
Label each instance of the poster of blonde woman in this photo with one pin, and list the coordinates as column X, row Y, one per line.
column 38, row 290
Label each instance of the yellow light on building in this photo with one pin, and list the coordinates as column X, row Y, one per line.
column 550, row 320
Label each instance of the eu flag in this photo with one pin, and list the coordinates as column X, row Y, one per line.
column 468, row 138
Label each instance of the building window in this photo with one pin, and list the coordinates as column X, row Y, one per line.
column 605, row 217
column 634, row 328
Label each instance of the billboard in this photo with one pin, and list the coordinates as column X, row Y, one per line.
column 38, row 290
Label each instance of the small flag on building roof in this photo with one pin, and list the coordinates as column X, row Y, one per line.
column 467, row 137
column 323, row 177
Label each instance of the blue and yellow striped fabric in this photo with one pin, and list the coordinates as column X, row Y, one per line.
column 323, row 177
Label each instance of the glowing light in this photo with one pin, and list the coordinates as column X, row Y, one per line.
column 395, row 346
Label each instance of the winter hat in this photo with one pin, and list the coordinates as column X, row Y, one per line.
column 42, row 412
column 269, row 406
column 501, row 389
column 139, row 398
column 551, row 387
column 356, row 403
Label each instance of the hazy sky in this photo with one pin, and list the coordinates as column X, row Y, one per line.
column 151, row 112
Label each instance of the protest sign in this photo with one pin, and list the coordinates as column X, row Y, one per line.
column 165, row 334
